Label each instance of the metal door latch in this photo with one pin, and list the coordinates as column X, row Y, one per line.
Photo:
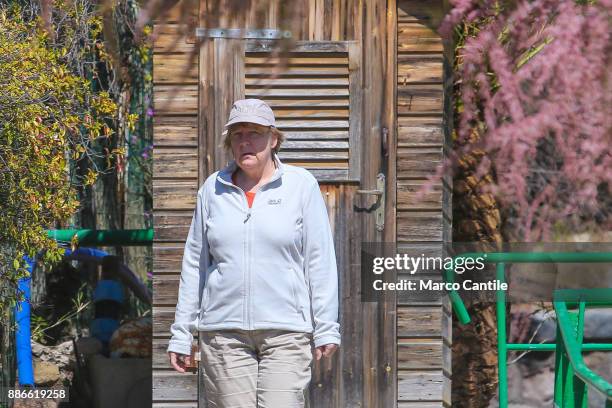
column 379, row 209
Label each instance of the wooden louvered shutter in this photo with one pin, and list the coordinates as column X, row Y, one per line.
column 316, row 99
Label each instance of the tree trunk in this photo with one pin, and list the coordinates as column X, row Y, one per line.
column 477, row 219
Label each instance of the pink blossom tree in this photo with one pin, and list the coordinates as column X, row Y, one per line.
column 534, row 81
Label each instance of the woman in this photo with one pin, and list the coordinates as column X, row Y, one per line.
column 259, row 278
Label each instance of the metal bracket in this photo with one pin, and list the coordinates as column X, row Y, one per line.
column 241, row 34
column 385, row 141
column 379, row 211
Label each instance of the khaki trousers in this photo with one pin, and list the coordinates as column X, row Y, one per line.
column 255, row 368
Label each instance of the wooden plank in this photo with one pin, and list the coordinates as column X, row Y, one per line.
column 165, row 289
column 175, row 68
column 421, row 297
column 447, row 355
column 294, row 61
column 319, row 20
column 355, row 21
column 389, row 122
column 265, row 93
column 185, row 404
column 320, row 46
column 419, row 69
column 304, row 123
column 419, row 226
column 425, row 11
column 172, row 38
column 418, row 162
column 326, row 378
column 316, row 134
column 302, row 81
column 411, row 196
column 181, row 11
column 417, row 37
column 160, row 355
column 167, row 257
column 174, row 386
column 420, row 321
column 356, row 111
column 447, row 321
column 419, row 99
column 314, row 144
column 228, row 86
column 418, row 249
column 374, row 60
column 420, row 404
column 294, row 71
column 174, row 194
column 311, row 112
column 336, row 19
column 325, row 20
column 314, row 155
column 172, row 226
column 176, row 99
column 329, row 175
column 169, row 162
column 420, row 131
column 320, row 165
column 206, row 105
column 420, row 385
column 307, row 102
column 163, row 317
column 446, row 390
column 419, row 354
column 178, row 131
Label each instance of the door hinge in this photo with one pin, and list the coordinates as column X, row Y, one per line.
column 379, row 206
column 242, row 34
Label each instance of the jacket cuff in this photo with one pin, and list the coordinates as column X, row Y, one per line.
column 179, row 347
column 326, row 339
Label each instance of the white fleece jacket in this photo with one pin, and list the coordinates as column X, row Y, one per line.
column 272, row 266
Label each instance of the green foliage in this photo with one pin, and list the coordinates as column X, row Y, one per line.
column 48, row 117
column 73, row 317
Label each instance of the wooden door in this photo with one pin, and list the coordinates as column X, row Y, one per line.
column 335, row 102
column 317, row 95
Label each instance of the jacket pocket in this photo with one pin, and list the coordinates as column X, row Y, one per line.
column 211, row 274
column 299, row 308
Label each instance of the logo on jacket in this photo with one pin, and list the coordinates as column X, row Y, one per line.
column 274, row 201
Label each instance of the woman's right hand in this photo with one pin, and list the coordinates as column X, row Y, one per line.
column 177, row 361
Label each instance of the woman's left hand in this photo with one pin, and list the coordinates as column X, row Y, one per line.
column 325, row 350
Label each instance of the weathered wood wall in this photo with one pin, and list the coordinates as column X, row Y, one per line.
column 176, row 161
column 423, row 329
column 186, row 152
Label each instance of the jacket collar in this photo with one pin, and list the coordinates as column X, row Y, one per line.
column 225, row 174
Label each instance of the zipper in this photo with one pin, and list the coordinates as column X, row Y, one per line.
column 245, row 311
column 247, row 247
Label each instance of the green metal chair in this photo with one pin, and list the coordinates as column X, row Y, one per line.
column 572, row 376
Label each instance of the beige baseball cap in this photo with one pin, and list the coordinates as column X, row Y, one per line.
column 251, row 110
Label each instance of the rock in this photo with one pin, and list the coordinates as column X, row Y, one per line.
column 45, row 373
column 60, row 355
column 597, row 326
